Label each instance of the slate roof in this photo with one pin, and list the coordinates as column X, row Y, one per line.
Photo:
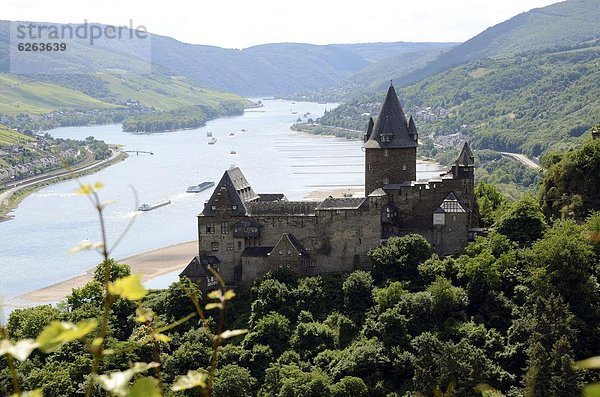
column 391, row 123
column 294, row 243
column 198, row 266
column 257, row 251
column 232, row 190
column 341, row 203
column 282, row 208
column 379, row 192
column 466, row 157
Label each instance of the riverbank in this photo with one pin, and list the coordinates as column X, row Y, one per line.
column 149, row 264
column 10, row 199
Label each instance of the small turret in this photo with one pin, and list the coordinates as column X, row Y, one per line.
column 412, row 129
column 464, row 166
column 369, row 130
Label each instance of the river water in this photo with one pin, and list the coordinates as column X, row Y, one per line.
column 34, row 246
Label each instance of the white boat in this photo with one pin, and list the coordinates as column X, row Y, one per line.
column 200, row 187
column 212, row 141
column 150, row 207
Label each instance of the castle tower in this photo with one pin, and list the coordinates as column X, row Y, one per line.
column 390, row 146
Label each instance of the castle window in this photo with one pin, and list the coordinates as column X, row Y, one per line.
column 369, row 167
column 210, row 228
column 234, row 207
column 239, row 245
column 453, row 217
column 214, row 207
column 386, row 153
column 386, row 181
column 224, row 227
column 289, row 252
column 229, row 246
column 215, row 246
column 280, row 252
column 404, row 167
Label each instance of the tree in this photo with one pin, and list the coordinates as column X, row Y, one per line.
column 311, row 338
column 291, row 381
column 522, row 222
column 563, row 262
column 490, row 202
column 387, row 297
column 234, row 381
column 309, row 295
column 116, row 271
column 29, row 322
column 398, row 258
column 350, row 386
column 272, row 330
column 358, row 294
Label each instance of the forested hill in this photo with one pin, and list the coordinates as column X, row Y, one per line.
column 522, row 104
column 268, row 69
column 559, row 24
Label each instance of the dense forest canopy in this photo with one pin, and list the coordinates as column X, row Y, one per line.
column 507, row 317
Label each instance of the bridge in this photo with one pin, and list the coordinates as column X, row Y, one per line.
column 137, row 152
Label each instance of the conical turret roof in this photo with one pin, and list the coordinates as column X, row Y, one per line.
column 391, row 130
column 466, row 157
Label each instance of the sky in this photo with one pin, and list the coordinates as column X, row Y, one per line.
column 240, row 24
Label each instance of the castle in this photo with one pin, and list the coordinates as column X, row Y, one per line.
column 243, row 234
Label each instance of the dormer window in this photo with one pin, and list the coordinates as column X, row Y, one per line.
column 386, row 138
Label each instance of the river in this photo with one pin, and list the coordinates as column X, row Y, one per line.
column 34, row 246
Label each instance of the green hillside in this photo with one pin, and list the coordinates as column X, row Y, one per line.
column 163, row 92
column 560, row 24
column 523, row 104
column 25, row 95
column 10, row 137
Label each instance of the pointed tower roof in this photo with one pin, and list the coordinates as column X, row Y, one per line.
column 412, row 128
column 391, row 122
column 369, row 129
column 232, row 191
column 466, row 157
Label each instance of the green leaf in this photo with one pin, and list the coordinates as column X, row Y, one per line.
column 592, row 390
column 231, row 333
column 144, row 387
column 189, row 381
column 215, row 305
column 129, row 287
column 162, row 337
column 144, row 315
column 117, row 383
column 589, row 363
column 58, row 333
column 20, row 350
